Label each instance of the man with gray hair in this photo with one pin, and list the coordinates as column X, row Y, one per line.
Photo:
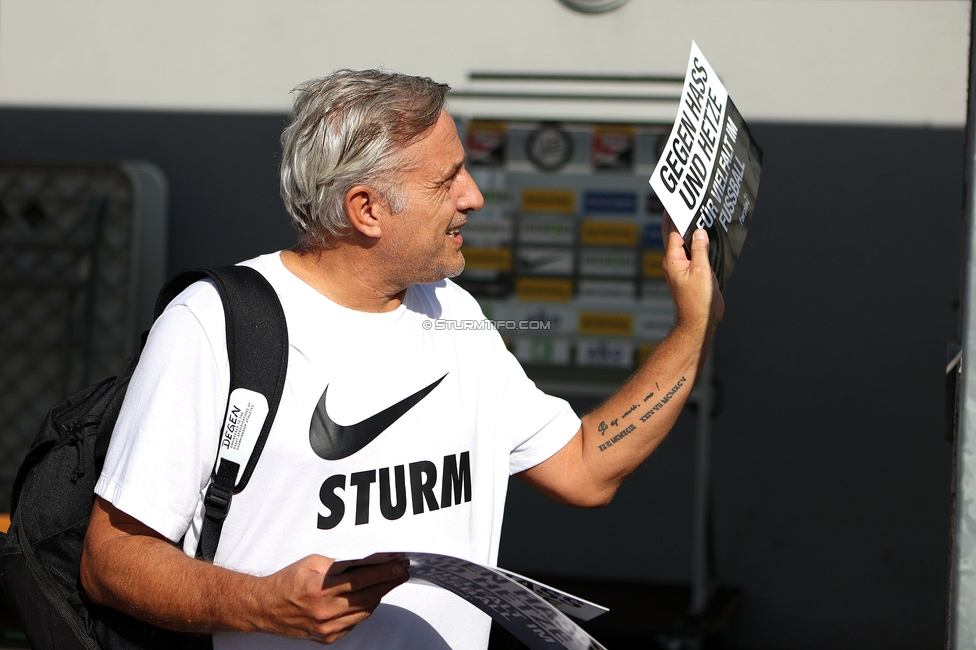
column 391, row 435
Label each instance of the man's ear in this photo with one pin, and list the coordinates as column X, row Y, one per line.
column 365, row 209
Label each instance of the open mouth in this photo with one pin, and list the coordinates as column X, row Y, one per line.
column 456, row 229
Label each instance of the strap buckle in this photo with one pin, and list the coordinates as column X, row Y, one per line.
column 217, row 501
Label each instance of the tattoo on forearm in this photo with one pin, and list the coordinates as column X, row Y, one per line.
column 617, row 438
column 651, row 394
column 664, row 400
column 602, row 427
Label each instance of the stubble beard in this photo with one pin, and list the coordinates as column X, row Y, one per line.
column 433, row 269
column 430, row 268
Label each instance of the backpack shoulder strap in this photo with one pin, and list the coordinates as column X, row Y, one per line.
column 257, row 349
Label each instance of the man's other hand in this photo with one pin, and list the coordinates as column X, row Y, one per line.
column 304, row 601
column 131, row 567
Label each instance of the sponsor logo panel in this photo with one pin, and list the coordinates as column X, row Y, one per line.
column 651, row 236
column 549, row 148
column 610, row 202
column 613, row 148
column 555, row 289
column 547, row 230
column 486, row 143
column 543, row 350
column 616, row 290
column 544, row 261
column 488, row 259
column 609, row 262
column 654, row 322
column 488, row 232
column 654, row 205
column 553, row 201
column 602, row 353
column 608, row 233
column 604, row 324
column 652, row 264
column 560, row 320
column 656, row 292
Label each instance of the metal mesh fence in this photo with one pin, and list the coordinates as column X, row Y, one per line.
column 67, row 247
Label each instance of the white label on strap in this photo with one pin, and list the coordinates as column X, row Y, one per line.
column 246, row 413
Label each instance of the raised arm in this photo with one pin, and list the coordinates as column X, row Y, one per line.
column 620, row 434
column 130, row 567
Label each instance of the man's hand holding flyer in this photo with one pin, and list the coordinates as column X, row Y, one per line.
column 708, row 173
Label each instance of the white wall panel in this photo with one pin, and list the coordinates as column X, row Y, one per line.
column 857, row 61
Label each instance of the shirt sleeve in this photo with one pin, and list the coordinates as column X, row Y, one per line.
column 165, row 441
column 538, row 425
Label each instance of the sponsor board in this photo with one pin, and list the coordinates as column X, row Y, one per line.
column 549, row 147
column 538, row 229
column 655, row 291
column 608, row 233
column 652, row 317
column 488, row 232
column 609, row 202
column 608, row 262
column 654, row 205
column 612, row 148
column 605, row 324
column 544, row 261
column 560, row 320
column 543, row 350
column 555, row 289
column 652, row 264
column 490, row 259
column 486, row 143
column 545, row 200
column 651, row 235
column 652, row 327
column 648, row 146
column 603, row 353
column 610, row 290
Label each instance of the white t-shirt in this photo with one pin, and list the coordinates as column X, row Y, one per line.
column 433, row 480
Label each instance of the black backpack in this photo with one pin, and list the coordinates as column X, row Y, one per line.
column 53, row 490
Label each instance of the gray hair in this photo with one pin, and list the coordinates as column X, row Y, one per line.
column 349, row 129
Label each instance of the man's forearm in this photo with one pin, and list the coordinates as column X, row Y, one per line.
column 619, row 435
column 149, row 578
column 616, row 438
column 129, row 567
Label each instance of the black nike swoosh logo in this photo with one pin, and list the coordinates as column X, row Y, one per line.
column 333, row 441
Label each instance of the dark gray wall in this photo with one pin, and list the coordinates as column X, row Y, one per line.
column 222, row 171
column 831, row 470
column 831, row 473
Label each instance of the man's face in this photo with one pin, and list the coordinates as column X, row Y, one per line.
column 424, row 238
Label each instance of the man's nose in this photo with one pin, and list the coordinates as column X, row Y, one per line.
column 471, row 199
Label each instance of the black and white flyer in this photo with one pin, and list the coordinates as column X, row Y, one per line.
column 708, row 173
column 533, row 612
